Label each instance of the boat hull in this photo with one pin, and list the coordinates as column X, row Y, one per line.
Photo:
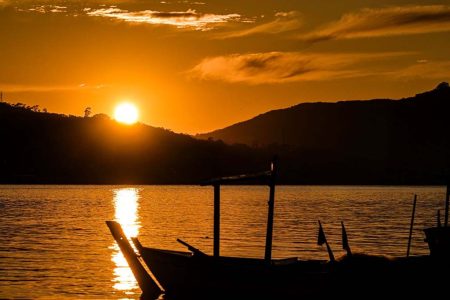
column 187, row 276
column 181, row 273
column 438, row 239
column 184, row 275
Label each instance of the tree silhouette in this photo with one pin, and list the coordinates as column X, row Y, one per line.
column 87, row 112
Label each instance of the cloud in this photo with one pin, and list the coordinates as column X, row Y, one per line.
column 284, row 21
column 425, row 69
column 20, row 88
column 46, row 9
column 400, row 20
column 184, row 2
column 282, row 67
column 190, row 19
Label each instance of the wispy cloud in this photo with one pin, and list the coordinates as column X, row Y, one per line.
column 425, row 69
column 190, row 19
column 20, row 88
column 183, row 2
column 400, row 20
column 284, row 21
column 46, row 9
column 282, row 67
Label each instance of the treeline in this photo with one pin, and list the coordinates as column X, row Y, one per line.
column 354, row 142
column 39, row 147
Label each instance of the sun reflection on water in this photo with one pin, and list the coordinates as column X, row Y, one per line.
column 126, row 213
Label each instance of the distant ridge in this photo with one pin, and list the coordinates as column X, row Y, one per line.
column 312, row 125
column 371, row 141
column 379, row 141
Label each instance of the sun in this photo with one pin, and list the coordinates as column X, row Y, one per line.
column 126, row 113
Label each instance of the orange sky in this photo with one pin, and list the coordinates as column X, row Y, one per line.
column 196, row 66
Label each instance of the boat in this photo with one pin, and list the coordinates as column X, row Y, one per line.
column 438, row 237
column 196, row 275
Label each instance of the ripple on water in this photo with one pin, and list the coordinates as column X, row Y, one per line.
column 54, row 242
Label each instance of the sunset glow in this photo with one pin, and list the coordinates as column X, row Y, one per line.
column 126, row 113
column 156, row 149
column 126, row 207
column 193, row 58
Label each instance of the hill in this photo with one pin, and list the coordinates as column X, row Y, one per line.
column 374, row 141
column 380, row 141
column 39, row 147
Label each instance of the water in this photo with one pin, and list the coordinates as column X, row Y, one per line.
column 54, row 242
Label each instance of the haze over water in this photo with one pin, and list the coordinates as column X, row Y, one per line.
column 54, row 242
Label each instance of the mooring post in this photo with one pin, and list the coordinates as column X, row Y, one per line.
column 268, row 250
column 216, row 220
column 447, row 195
column 411, row 225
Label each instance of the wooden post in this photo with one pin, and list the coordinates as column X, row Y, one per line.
column 411, row 225
column 447, row 195
column 268, row 250
column 216, row 220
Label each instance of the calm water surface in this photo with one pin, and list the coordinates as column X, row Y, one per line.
column 55, row 244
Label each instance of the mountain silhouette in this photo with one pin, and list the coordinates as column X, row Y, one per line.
column 380, row 140
column 41, row 147
column 325, row 125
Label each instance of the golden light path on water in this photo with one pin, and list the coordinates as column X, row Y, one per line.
column 126, row 213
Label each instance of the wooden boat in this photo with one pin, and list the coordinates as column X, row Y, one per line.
column 203, row 276
column 438, row 238
column 196, row 275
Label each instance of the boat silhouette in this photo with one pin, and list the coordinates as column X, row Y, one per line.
column 196, row 275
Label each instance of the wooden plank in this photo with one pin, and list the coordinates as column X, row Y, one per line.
column 447, row 200
column 411, row 226
column 216, row 220
column 191, row 248
column 345, row 243
column 269, row 232
column 148, row 286
column 238, row 179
